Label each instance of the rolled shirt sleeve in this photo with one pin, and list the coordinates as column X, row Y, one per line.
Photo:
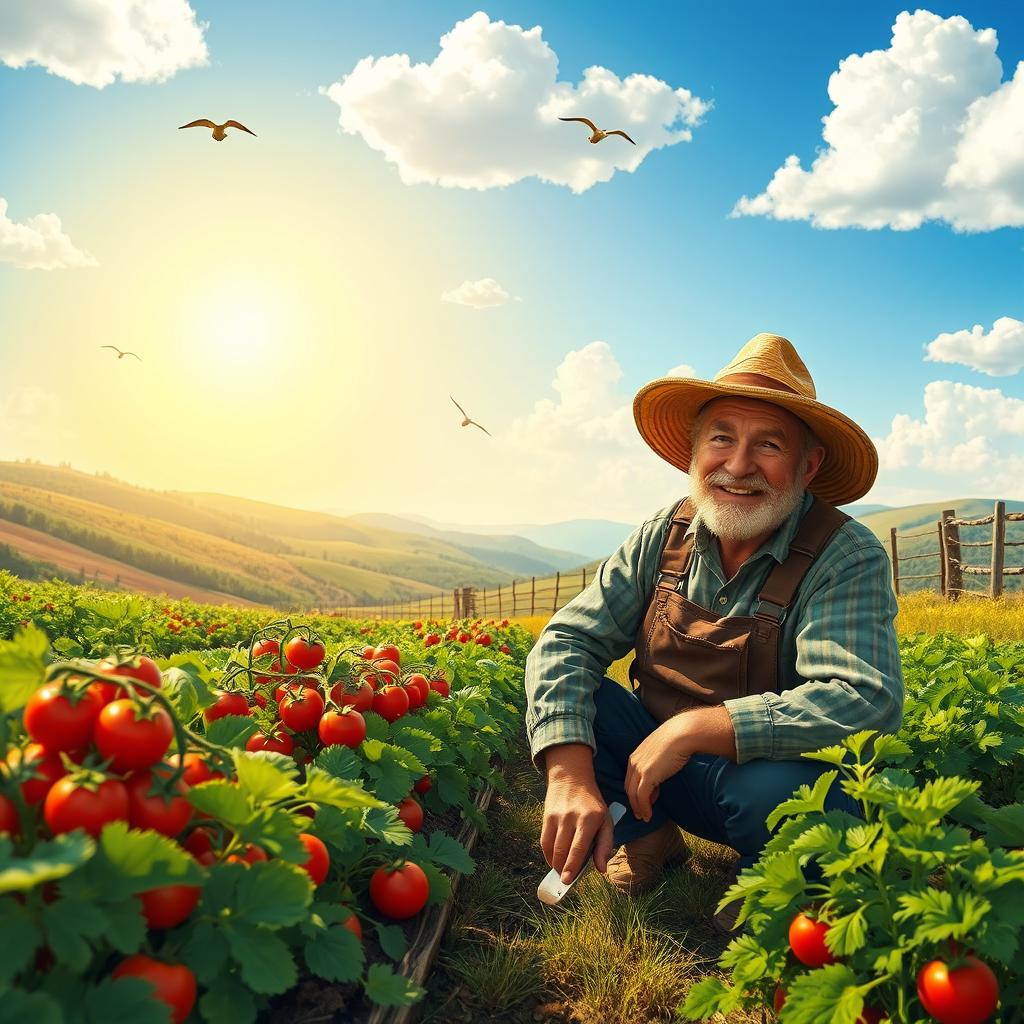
column 847, row 654
column 598, row 626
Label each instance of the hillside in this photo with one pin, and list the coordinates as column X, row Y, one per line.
column 236, row 547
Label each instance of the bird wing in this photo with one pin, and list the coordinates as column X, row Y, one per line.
column 619, row 131
column 201, row 123
column 237, row 124
column 133, row 354
column 586, row 120
column 484, row 429
column 114, row 347
column 459, row 407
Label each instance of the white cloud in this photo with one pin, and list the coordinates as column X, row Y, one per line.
column 39, row 243
column 925, row 130
column 966, row 432
column 484, row 113
column 479, row 294
column 1000, row 353
column 92, row 42
column 682, row 370
column 579, row 453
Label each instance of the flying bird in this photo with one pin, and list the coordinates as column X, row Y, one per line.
column 598, row 133
column 466, row 421
column 218, row 129
column 120, row 354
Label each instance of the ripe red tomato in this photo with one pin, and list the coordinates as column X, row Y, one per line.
column 368, row 653
column 200, row 842
column 280, row 743
column 410, row 811
column 283, row 689
column 307, row 654
column 391, row 653
column 505, row 649
column 148, row 810
column 263, row 647
column 46, row 769
column 361, row 699
column 440, row 686
column 72, row 804
column 484, row 639
column 418, row 682
column 140, row 667
column 391, row 702
column 227, row 703
column 319, row 861
column 807, row 940
column 169, row 905
column 259, row 698
column 9, row 821
column 250, row 855
column 961, row 995
column 301, row 710
column 399, row 891
column 424, row 785
column 196, row 768
column 175, row 984
column 431, row 639
column 342, row 728
column 61, row 721
column 353, row 925
column 130, row 740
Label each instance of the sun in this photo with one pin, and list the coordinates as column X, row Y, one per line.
column 242, row 331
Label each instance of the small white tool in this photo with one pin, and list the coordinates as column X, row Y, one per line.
column 552, row 889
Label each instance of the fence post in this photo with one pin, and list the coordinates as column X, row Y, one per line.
column 954, row 576
column 455, row 604
column 469, row 602
column 584, row 585
column 895, row 562
column 554, row 606
column 533, row 595
column 513, row 599
column 998, row 548
column 499, row 600
column 484, row 612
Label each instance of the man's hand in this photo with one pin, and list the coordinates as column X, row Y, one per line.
column 666, row 751
column 663, row 753
column 574, row 812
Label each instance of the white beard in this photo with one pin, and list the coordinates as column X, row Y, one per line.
column 734, row 523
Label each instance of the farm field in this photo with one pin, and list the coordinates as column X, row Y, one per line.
column 329, row 806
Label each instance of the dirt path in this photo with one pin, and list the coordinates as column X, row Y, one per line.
column 72, row 558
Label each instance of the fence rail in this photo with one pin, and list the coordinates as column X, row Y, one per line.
column 952, row 566
column 518, row 597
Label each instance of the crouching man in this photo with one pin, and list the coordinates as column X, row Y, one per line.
column 762, row 623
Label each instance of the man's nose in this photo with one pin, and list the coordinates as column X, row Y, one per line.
column 741, row 461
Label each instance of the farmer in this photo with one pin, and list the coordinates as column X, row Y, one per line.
column 761, row 617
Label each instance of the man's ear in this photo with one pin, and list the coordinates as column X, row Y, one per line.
column 813, row 462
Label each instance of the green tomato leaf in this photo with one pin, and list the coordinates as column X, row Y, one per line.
column 392, row 940
column 205, row 952
column 268, row 967
column 221, row 799
column 20, row 937
column 50, row 860
column 141, row 860
column 273, row 893
column 231, row 730
column 18, row 1006
column 335, row 954
column 386, row 988
column 266, row 777
column 323, row 788
column 22, row 667
column 228, row 1000
column 124, row 999
column 338, row 761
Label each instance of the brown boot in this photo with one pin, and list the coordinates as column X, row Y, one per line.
column 724, row 921
column 638, row 865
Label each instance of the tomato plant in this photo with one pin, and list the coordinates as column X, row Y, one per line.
column 319, row 862
column 361, row 699
column 807, row 940
column 306, row 654
column 60, row 716
column 411, row 812
column 227, row 703
column 85, row 801
column 169, row 905
column 391, row 702
column 280, row 743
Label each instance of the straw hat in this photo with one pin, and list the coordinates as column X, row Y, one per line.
column 768, row 368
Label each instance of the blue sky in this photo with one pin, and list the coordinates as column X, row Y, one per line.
column 608, row 285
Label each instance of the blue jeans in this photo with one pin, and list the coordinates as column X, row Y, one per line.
column 711, row 797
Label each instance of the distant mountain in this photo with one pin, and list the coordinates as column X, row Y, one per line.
column 594, row 538
column 859, row 511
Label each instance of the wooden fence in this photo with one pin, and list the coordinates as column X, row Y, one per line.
column 953, row 560
column 505, row 601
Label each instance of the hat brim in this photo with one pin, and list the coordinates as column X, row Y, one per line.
column 665, row 410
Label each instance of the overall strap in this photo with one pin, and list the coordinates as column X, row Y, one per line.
column 816, row 529
column 675, row 555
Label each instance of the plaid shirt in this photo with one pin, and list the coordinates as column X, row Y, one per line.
column 840, row 667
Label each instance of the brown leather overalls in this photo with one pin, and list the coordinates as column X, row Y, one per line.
column 686, row 656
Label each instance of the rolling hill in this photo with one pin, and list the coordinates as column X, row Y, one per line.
column 236, row 548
